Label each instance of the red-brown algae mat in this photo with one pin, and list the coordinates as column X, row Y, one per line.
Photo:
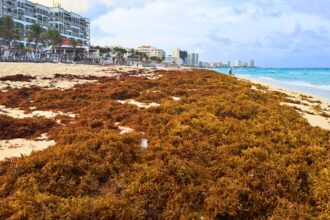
column 189, row 144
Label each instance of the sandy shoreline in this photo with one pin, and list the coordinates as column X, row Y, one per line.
column 61, row 76
column 315, row 109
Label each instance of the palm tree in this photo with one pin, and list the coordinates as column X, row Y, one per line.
column 54, row 38
column 145, row 57
column 74, row 44
column 157, row 59
column 7, row 29
column 37, row 33
column 1, row 34
column 120, row 52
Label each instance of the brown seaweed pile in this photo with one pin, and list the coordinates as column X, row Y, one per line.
column 18, row 78
column 221, row 151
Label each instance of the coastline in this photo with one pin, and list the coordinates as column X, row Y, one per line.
column 314, row 81
column 315, row 109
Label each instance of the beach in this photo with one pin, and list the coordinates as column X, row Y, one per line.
column 307, row 89
column 315, row 109
column 61, row 76
column 65, row 76
column 312, row 81
column 181, row 142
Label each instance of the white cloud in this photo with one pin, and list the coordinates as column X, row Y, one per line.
column 85, row 5
column 73, row 5
column 192, row 24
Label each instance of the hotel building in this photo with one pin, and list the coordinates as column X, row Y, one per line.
column 152, row 51
column 193, row 59
column 238, row 63
column 26, row 13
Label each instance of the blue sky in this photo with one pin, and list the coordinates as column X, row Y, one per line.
column 276, row 33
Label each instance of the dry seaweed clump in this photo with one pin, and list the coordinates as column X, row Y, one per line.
column 223, row 151
column 11, row 128
column 18, row 78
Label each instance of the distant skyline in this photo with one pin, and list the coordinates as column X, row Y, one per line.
column 275, row 33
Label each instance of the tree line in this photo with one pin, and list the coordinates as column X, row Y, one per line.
column 132, row 54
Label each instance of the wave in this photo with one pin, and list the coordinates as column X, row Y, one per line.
column 245, row 75
column 296, row 83
column 267, row 78
column 309, row 85
column 262, row 78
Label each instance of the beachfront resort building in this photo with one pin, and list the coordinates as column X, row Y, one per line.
column 170, row 59
column 26, row 13
column 193, row 59
column 152, row 51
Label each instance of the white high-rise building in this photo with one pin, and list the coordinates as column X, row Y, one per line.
column 238, row 63
column 193, row 59
column 26, row 13
column 176, row 53
column 252, row 64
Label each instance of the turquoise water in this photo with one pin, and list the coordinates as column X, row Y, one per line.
column 312, row 81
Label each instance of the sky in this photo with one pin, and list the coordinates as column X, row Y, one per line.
column 275, row 33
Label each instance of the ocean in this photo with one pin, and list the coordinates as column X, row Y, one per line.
column 312, row 81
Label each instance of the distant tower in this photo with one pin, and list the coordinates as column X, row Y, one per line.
column 238, row 63
column 252, row 64
column 176, row 53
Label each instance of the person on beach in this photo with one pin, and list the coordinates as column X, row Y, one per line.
column 231, row 72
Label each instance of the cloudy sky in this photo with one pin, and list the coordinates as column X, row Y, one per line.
column 276, row 33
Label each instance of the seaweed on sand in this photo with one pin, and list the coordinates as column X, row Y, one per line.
column 223, row 151
column 11, row 128
column 18, row 78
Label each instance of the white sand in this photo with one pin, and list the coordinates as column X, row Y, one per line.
column 17, row 147
column 176, row 98
column 45, row 72
column 306, row 108
column 18, row 113
column 124, row 129
column 139, row 104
